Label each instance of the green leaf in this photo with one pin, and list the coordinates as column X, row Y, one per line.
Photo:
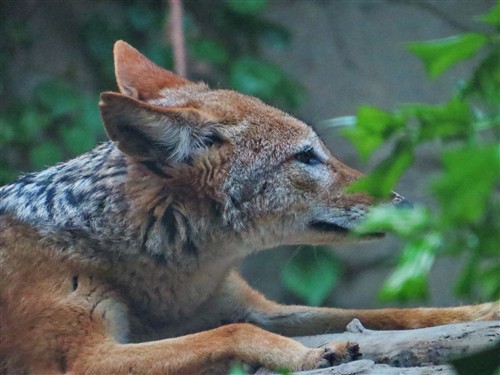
column 404, row 222
column 275, row 35
column 237, row 369
column 31, row 123
column 488, row 227
column 486, row 80
column 45, row 154
column 493, row 16
column 490, row 283
column 77, row 139
column 464, row 189
column 381, row 182
column 7, row 129
column 373, row 127
column 247, row 7
column 439, row 55
column 160, row 54
column 409, row 280
column 311, row 274
column 465, row 282
column 142, row 17
column 209, row 50
column 255, row 77
column 90, row 119
column 58, row 97
column 100, row 34
column 449, row 120
column 6, row 174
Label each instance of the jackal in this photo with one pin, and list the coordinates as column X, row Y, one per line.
column 121, row 261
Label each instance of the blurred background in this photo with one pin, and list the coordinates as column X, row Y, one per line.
column 315, row 59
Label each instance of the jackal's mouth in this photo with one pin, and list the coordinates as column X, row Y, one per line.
column 326, row 226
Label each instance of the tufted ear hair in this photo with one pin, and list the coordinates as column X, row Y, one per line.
column 152, row 133
column 140, row 78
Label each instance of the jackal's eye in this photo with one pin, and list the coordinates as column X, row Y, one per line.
column 307, row 156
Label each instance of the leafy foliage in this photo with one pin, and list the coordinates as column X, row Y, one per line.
column 248, row 7
column 237, row 369
column 373, row 127
column 466, row 219
column 439, row 55
column 492, row 17
column 311, row 274
column 57, row 119
column 236, row 56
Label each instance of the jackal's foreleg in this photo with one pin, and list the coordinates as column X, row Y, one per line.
column 302, row 320
column 198, row 352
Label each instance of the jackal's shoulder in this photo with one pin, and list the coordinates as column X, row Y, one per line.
column 66, row 194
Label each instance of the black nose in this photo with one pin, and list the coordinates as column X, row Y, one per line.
column 400, row 202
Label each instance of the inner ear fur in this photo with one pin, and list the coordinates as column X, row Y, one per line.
column 152, row 133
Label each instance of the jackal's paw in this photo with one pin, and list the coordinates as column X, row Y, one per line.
column 332, row 355
column 486, row 311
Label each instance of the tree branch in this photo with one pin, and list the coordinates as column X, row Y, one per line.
column 177, row 37
column 409, row 352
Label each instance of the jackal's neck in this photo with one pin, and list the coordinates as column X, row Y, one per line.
column 105, row 203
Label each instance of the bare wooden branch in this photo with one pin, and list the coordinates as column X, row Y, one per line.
column 367, row 367
column 408, row 352
column 176, row 32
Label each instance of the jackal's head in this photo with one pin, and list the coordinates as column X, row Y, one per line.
column 267, row 176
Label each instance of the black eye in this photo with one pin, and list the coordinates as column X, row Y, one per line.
column 307, row 157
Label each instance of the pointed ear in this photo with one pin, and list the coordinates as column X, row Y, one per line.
column 138, row 77
column 152, row 133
